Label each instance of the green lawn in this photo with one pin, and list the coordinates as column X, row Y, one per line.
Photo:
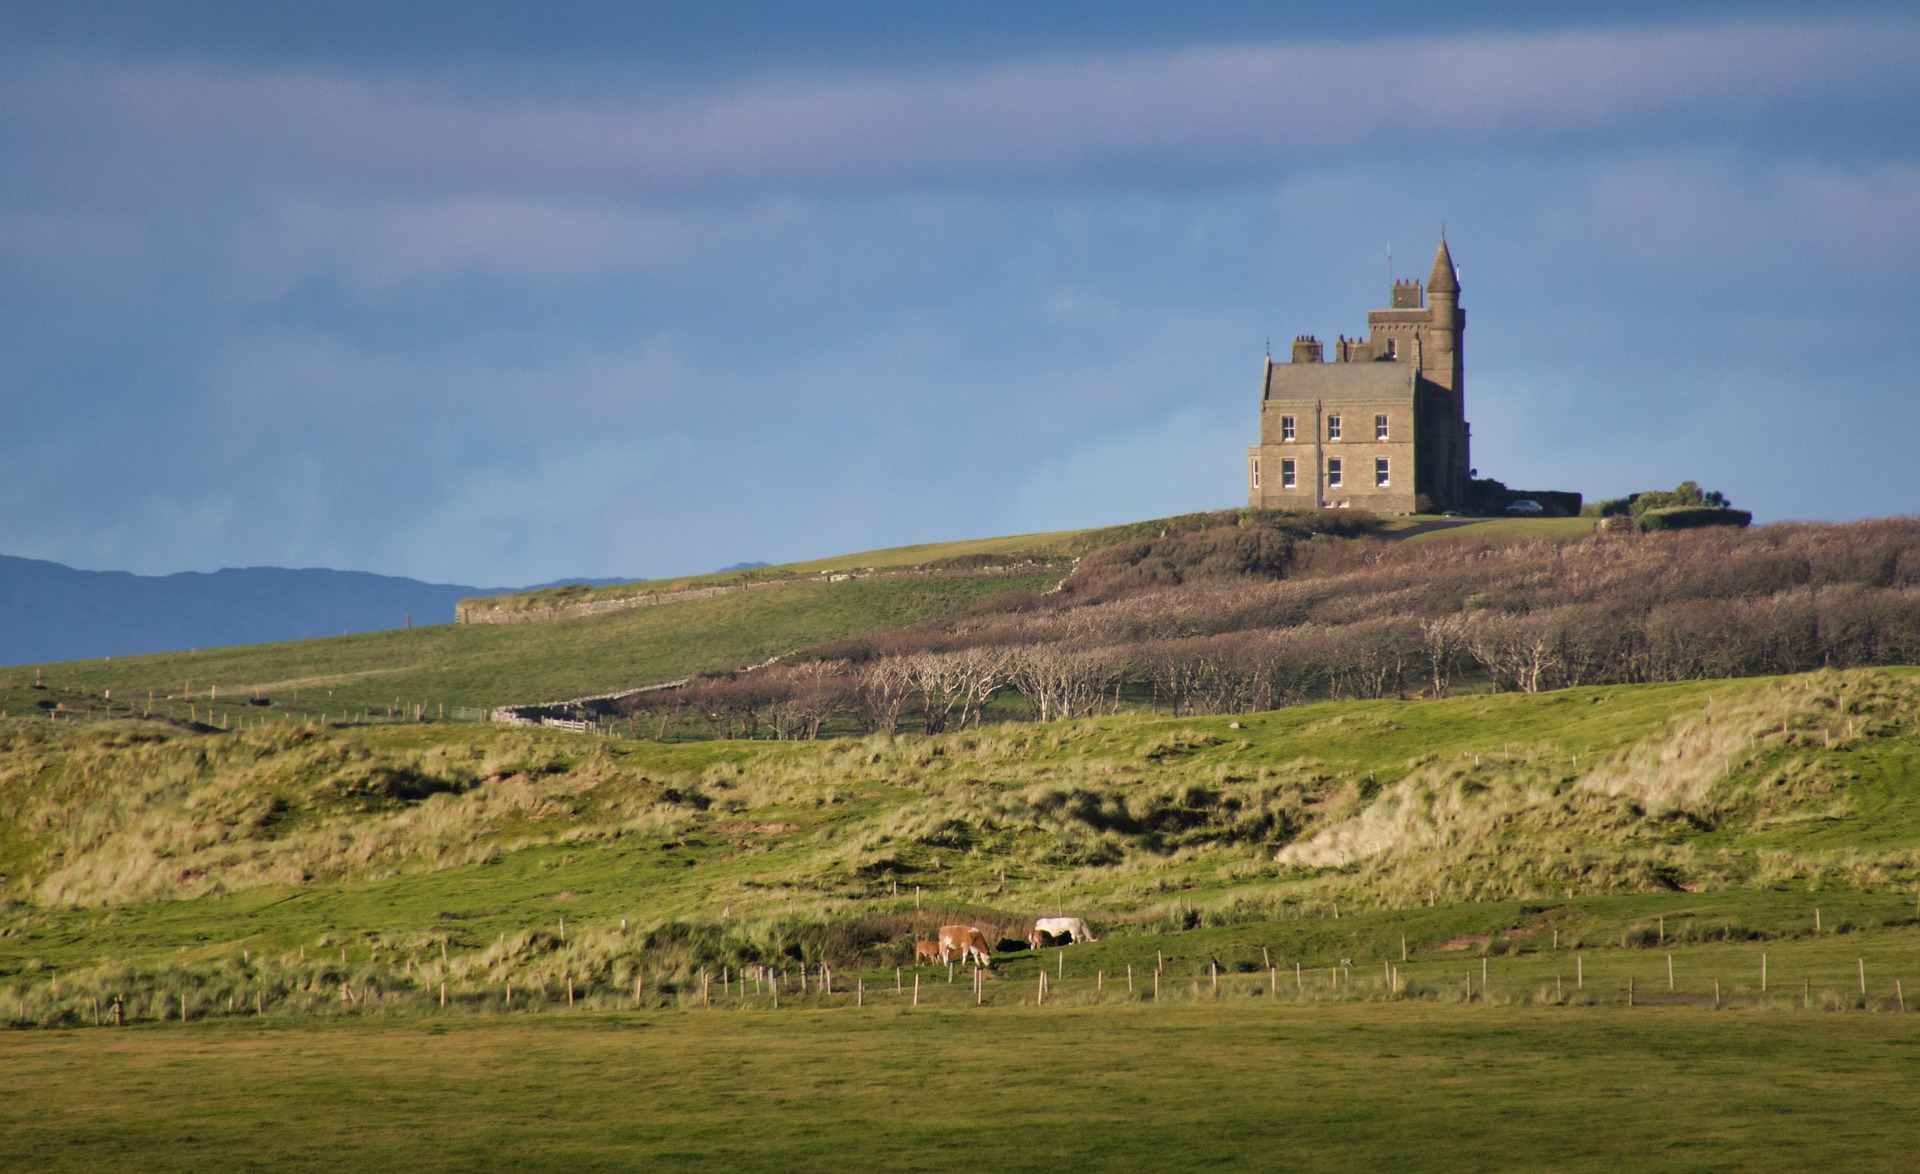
column 1428, row 527
column 1253, row 1083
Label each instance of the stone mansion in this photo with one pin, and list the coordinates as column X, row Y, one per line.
column 1381, row 427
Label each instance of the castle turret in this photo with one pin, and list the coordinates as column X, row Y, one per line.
column 1440, row 357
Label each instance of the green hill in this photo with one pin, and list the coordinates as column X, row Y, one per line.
column 758, row 614
column 1474, row 925
column 153, row 846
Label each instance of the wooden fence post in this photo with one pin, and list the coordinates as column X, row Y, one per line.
column 1862, row 963
column 1669, row 972
column 916, row 983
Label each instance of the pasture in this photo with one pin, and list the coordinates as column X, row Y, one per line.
column 1364, row 1086
column 377, row 674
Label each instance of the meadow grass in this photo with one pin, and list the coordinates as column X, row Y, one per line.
column 1266, row 1083
column 1433, row 527
column 455, row 945
column 483, row 665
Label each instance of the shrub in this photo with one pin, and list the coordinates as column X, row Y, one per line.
column 1687, row 493
column 1689, row 517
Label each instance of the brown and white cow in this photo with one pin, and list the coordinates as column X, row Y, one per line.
column 927, row 952
column 1071, row 928
column 964, row 942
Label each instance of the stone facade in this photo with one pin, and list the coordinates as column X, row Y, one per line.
column 1383, row 424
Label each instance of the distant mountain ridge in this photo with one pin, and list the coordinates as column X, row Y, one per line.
column 52, row 612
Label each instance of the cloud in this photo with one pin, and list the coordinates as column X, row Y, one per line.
column 1194, row 114
column 484, row 332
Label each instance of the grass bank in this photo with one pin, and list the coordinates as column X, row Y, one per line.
column 1362, row 1087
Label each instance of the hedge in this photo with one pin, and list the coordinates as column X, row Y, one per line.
column 1687, row 517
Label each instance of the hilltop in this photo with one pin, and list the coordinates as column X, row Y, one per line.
column 1224, row 612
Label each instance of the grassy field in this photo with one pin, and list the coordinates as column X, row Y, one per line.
column 1060, row 545
column 137, row 853
column 481, row 665
column 1055, row 547
column 1339, row 1087
column 474, row 666
column 1427, row 528
column 1663, row 926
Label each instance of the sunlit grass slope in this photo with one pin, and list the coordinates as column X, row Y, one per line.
column 488, row 664
column 139, row 841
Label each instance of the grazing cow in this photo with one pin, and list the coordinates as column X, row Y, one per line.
column 1071, row 928
column 965, row 942
column 926, row 951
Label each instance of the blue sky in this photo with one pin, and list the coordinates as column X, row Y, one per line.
column 499, row 293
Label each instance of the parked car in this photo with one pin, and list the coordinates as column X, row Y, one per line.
column 1526, row 507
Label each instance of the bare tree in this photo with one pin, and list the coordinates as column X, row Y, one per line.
column 1444, row 640
column 882, row 690
column 954, row 686
column 1060, row 681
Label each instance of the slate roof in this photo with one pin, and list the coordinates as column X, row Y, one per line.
column 1338, row 382
column 1444, row 279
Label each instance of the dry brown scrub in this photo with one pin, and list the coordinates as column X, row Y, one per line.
column 1222, row 633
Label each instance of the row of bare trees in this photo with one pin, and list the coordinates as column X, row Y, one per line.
column 1367, row 620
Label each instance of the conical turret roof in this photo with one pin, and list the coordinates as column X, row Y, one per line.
column 1443, row 278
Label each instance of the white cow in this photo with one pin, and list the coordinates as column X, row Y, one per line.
column 1060, row 927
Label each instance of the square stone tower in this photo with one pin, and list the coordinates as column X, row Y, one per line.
column 1381, row 427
